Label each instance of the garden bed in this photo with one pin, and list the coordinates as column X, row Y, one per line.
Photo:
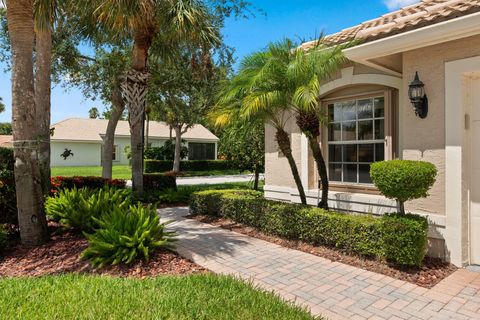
column 62, row 255
column 428, row 275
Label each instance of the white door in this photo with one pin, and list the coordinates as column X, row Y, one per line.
column 474, row 104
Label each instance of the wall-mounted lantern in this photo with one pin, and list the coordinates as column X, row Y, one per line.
column 418, row 98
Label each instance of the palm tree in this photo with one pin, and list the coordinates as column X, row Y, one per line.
column 31, row 215
column 93, row 113
column 287, row 78
column 260, row 91
column 2, row 106
column 142, row 21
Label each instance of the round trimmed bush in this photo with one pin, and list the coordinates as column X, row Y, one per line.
column 403, row 180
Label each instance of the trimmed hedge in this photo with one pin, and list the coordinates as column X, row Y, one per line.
column 59, row 183
column 401, row 239
column 8, row 197
column 159, row 182
column 155, row 166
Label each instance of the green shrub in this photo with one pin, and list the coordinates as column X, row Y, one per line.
column 403, row 180
column 159, row 182
column 8, row 197
column 405, row 238
column 398, row 238
column 78, row 182
column 77, row 208
column 122, row 236
column 155, row 166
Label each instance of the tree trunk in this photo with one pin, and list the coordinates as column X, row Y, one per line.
column 118, row 106
column 401, row 206
column 43, row 72
column 257, row 177
column 283, row 141
column 147, row 130
column 31, row 215
column 178, row 148
column 134, row 88
column 322, row 170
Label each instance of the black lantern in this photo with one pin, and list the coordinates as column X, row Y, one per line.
column 418, row 98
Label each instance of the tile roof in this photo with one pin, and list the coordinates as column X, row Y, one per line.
column 416, row 16
column 92, row 129
column 6, row 141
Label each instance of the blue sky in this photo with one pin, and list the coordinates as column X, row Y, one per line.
column 298, row 19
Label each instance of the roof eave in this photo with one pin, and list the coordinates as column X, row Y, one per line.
column 462, row 27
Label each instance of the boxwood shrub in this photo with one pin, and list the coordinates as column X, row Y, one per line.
column 159, row 182
column 155, row 166
column 401, row 239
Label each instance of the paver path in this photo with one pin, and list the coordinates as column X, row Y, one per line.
column 331, row 289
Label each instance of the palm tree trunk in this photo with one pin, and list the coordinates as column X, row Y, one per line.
column 322, row 170
column 117, row 111
column 147, row 130
column 31, row 215
column 283, row 141
column 257, row 177
column 178, row 148
column 43, row 72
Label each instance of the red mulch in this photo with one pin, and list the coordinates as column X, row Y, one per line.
column 432, row 272
column 62, row 255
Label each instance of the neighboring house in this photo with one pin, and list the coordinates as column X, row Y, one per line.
column 6, row 141
column 372, row 119
column 84, row 137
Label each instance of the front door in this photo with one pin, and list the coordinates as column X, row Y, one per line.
column 474, row 106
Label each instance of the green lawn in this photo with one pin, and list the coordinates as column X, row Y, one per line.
column 168, row 297
column 125, row 172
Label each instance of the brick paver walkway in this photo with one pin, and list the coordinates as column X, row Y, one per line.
column 331, row 289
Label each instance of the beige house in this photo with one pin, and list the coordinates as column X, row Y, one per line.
column 372, row 119
column 84, row 137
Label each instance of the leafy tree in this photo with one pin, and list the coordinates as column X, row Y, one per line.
column 93, row 113
column 5, row 128
column 2, row 106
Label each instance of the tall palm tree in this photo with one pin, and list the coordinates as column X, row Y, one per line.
column 142, row 21
column 93, row 113
column 283, row 79
column 260, row 91
column 31, row 215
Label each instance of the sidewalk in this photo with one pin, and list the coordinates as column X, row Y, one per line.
column 331, row 289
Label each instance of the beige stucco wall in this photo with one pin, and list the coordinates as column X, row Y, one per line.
column 277, row 170
column 424, row 139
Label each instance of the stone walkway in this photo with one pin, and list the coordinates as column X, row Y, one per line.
column 331, row 289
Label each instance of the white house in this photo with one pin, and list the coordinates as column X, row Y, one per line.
column 84, row 137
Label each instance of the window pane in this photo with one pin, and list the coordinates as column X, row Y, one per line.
column 335, row 172
column 364, row 173
column 379, row 152
column 349, row 130
column 379, row 107
column 365, row 109
column 335, row 133
column 350, row 153
column 335, row 153
column 365, row 130
column 335, row 112
column 349, row 110
column 379, row 129
column 350, row 173
column 365, row 153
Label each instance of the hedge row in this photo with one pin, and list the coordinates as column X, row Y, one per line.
column 61, row 182
column 159, row 182
column 154, row 166
column 401, row 239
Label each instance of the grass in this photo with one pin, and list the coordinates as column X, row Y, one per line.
column 185, row 297
column 125, row 172
column 118, row 172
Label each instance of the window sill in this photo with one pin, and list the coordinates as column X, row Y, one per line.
column 354, row 188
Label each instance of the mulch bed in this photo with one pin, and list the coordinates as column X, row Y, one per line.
column 432, row 272
column 62, row 255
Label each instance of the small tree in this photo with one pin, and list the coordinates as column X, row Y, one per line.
column 403, row 180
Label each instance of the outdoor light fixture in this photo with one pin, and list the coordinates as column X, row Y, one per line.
column 418, row 98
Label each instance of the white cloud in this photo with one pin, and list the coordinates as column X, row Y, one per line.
column 396, row 4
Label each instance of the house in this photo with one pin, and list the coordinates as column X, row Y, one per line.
column 84, row 138
column 372, row 118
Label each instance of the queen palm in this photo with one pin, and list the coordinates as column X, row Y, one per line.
column 142, row 21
